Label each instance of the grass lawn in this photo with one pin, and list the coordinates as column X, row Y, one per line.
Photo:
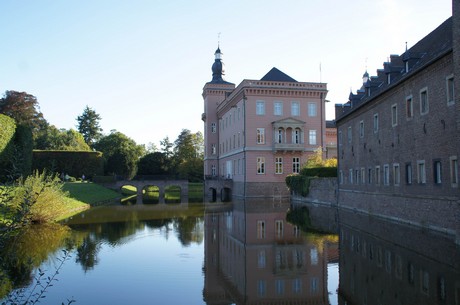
column 90, row 193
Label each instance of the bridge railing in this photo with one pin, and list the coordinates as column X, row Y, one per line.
column 156, row 177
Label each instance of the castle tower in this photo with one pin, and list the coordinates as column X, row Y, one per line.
column 214, row 92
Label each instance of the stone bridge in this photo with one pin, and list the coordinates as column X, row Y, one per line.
column 161, row 184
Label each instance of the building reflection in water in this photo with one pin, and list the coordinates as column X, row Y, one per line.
column 386, row 263
column 254, row 256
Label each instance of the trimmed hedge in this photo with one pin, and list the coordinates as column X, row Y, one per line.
column 73, row 163
column 15, row 149
column 7, row 131
column 319, row 172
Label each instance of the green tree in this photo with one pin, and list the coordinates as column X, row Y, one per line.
column 188, row 155
column 60, row 139
column 156, row 163
column 167, row 147
column 121, row 154
column 88, row 125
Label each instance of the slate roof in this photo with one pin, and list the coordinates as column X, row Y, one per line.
column 430, row 48
column 275, row 75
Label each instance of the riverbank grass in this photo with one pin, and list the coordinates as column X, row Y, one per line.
column 90, row 193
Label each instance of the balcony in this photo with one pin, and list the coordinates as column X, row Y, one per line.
column 288, row 147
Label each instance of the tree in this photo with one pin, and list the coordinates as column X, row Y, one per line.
column 188, row 155
column 52, row 138
column 156, row 163
column 121, row 154
column 24, row 109
column 88, row 125
column 167, row 147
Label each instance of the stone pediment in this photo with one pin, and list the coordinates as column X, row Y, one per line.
column 291, row 122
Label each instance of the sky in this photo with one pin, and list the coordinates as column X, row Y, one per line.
column 142, row 64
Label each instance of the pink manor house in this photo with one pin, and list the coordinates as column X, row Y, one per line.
column 259, row 132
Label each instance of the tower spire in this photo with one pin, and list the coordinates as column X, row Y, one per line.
column 218, row 70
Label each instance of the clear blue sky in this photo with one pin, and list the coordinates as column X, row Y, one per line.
column 142, row 64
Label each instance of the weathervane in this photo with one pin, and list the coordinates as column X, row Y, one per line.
column 218, row 39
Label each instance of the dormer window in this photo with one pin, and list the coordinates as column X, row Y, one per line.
column 407, row 66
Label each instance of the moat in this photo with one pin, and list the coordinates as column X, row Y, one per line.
column 238, row 253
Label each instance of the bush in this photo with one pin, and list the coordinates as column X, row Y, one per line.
column 74, row 163
column 319, row 172
column 38, row 199
column 298, row 184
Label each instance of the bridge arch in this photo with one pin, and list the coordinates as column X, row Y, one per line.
column 142, row 185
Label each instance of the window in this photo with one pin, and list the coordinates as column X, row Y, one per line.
column 279, row 228
column 357, row 176
column 350, row 173
column 312, row 109
column 279, row 287
column 349, row 134
column 450, row 90
column 260, row 229
column 297, row 285
column 341, row 177
column 437, row 172
column 361, row 129
column 260, row 135
column 396, row 174
column 421, row 173
column 409, row 107
column 340, row 138
column 278, row 108
column 363, row 175
column 213, row 127
column 369, row 175
column 296, row 138
column 261, row 288
column 260, row 108
column 260, row 165
column 386, row 174
column 261, row 259
column 213, row 149
column 454, row 171
column 394, row 115
column 278, row 165
column 295, row 109
column 376, row 122
column 408, row 173
column 213, row 171
column 424, row 107
column 424, row 281
column 312, row 137
column 377, row 175
column 279, row 135
column 296, row 165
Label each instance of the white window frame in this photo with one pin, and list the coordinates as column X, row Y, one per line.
column 312, row 137
column 277, row 108
column 409, row 173
column 350, row 176
column 279, row 228
column 450, row 90
column 260, row 165
column 295, row 108
column 213, row 127
column 376, row 122
column 424, row 101
column 312, row 109
column 278, row 165
column 350, row 134
column 409, row 107
column 453, row 160
column 261, row 229
column 386, row 174
column 421, row 172
column 260, row 107
column 296, row 165
column 296, row 136
column 377, row 175
column 363, row 175
column 213, row 149
column 279, row 135
column 394, row 115
column 396, row 174
column 260, row 136
column 361, row 129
